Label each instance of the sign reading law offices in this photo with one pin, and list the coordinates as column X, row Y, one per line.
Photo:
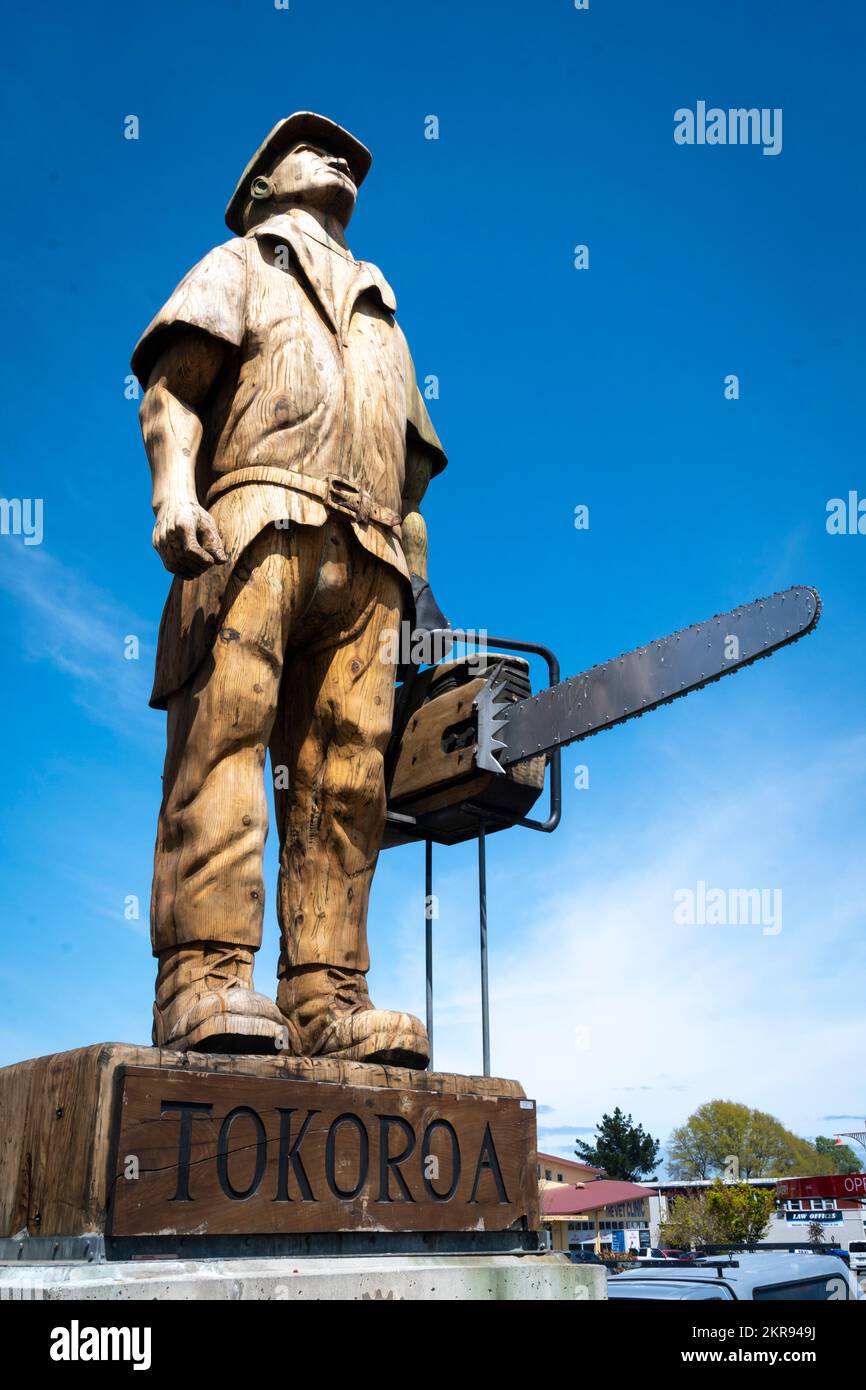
column 311, row 1156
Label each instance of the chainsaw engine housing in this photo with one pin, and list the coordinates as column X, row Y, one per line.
column 436, row 777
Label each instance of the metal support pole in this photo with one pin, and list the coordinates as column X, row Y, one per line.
column 428, row 938
column 482, row 908
column 859, row 1135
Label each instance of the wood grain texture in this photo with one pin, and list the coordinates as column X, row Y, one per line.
column 56, row 1114
column 279, row 389
column 297, row 666
column 217, row 1155
column 436, row 765
column 308, row 374
column 424, row 762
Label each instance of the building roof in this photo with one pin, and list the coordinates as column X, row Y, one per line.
column 569, row 1162
column 604, row 1192
column 674, row 1185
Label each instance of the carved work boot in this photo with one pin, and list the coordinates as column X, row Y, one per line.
column 329, row 1014
column 205, row 1002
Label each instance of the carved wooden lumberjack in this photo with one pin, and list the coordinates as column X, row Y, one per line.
column 290, row 450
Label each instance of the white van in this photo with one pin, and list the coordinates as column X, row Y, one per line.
column 857, row 1251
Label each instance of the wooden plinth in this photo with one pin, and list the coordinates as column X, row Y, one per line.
column 133, row 1141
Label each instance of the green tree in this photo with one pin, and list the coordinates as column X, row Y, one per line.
column 841, row 1158
column 743, row 1213
column 725, row 1214
column 623, row 1149
column 689, row 1222
column 762, row 1144
column 698, row 1149
column 800, row 1158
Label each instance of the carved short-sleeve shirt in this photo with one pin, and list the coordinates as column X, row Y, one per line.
column 312, row 409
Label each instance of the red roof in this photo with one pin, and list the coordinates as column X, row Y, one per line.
column 571, row 1201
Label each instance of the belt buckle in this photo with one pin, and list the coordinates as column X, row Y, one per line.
column 346, row 497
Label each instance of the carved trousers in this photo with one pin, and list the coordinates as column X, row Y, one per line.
column 299, row 667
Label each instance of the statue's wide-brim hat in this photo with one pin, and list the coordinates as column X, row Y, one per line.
column 302, row 125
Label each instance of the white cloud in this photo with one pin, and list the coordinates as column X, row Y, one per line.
column 80, row 629
column 671, row 1015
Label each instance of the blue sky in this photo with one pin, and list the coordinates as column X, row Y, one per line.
column 557, row 387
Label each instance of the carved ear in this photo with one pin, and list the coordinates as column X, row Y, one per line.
column 261, row 188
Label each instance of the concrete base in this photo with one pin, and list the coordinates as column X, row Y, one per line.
column 447, row 1278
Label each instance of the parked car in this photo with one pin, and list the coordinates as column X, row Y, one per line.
column 584, row 1257
column 840, row 1254
column 763, row 1276
column 654, row 1253
column 857, row 1254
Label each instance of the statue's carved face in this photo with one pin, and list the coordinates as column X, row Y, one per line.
column 309, row 176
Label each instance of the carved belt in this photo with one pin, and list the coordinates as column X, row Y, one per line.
column 335, row 492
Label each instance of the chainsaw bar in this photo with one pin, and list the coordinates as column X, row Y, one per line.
column 640, row 680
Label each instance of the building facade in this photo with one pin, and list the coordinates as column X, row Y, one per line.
column 842, row 1220
column 600, row 1215
column 551, row 1169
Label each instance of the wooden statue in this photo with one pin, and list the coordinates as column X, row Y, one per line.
column 290, row 450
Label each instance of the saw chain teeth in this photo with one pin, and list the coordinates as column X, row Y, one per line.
column 556, row 717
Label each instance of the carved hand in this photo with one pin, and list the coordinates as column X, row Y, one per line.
column 187, row 539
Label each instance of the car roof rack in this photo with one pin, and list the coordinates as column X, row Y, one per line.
column 756, row 1247
column 718, row 1265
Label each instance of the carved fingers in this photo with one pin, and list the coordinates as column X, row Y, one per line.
column 187, row 540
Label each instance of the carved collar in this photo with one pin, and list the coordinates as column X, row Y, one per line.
column 282, row 227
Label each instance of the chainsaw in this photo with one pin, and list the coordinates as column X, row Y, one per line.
column 472, row 743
